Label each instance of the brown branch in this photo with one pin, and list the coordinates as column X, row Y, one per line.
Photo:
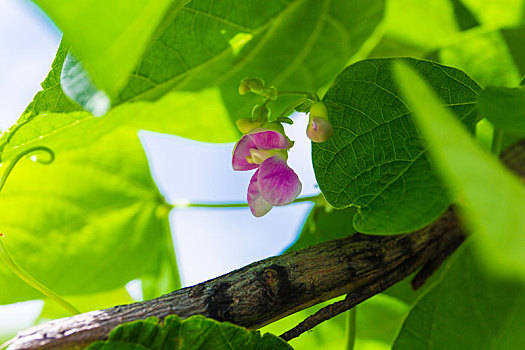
column 268, row 290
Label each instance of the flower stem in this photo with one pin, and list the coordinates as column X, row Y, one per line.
column 497, row 140
column 318, row 198
column 351, row 327
column 33, row 282
column 311, row 95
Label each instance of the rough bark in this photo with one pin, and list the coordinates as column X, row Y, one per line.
column 270, row 289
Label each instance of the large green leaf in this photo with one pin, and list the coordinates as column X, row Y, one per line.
column 492, row 200
column 196, row 332
column 467, row 309
column 303, row 50
column 504, row 107
column 501, row 13
column 423, row 24
column 108, row 36
column 484, row 55
column 515, row 40
column 179, row 113
column 375, row 159
column 52, row 98
column 91, row 221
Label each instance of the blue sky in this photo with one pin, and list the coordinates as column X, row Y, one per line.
column 208, row 242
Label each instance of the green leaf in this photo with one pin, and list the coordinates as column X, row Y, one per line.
column 515, row 40
column 324, row 224
column 467, row 309
column 425, row 25
column 110, row 49
column 177, row 113
column 196, row 332
column 504, row 107
column 78, row 86
column 306, row 46
column 52, row 98
column 464, row 17
column 497, row 14
column 375, row 160
column 492, row 200
column 482, row 54
column 89, row 222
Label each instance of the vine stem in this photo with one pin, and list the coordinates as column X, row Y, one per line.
column 497, row 141
column 4, row 253
column 352, row 326
column 29, row 279
column 318, row 198
column 298, row 92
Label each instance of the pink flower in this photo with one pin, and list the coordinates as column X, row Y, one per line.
column 274, row 182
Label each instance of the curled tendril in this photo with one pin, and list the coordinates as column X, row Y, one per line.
column 19, row 156
column 6, row 258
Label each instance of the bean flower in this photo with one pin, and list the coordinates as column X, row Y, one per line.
column 274, row 182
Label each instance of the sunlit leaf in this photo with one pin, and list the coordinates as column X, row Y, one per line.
column 196, row 332
column 108, row 36
column 375, row 160
column 504, row 107
column 492, row 200
column 467, row 309
column 483, row 55
column 89, row 222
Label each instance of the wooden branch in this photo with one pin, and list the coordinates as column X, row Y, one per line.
column 270, row 289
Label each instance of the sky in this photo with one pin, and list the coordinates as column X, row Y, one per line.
column 208, row 242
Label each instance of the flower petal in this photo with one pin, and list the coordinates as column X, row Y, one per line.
column 278, row 183
column 266, row 140
column 258, row 205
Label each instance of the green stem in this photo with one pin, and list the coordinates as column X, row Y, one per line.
column 351, row 326
column 4, row 253
column 311, row 95
column 19, row 156
column 291, row 108
column 497, row 140
column 318, row 198
column 33, row 282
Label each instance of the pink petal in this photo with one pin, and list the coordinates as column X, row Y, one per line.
column 266, row 140
column 258, row 205
column 278, row 183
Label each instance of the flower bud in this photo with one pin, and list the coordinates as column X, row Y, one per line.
column 260, row 113
column 319, row 127
column 245, row 125
column 275, row 126
column 318, row 109
column 255, row 85
column 272, row 93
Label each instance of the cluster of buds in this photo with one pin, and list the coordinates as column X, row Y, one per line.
column 264, row 146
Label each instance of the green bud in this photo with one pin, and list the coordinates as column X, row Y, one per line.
column 272, row 93
column 319, row 127
column 245, row 125
column 255, row 85
column 260, row 113
column 275, row 126
column 318, row 110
